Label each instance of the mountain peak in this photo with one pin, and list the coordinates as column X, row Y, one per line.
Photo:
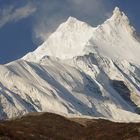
column 119, row 16
column 72, row 19
column 117, row 11
column 77, row 38
column 73, row 24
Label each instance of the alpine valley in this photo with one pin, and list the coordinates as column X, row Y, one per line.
column 79, row 71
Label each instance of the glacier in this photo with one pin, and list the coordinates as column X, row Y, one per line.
column 79, row 70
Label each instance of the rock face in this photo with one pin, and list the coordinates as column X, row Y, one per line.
column 79, row 70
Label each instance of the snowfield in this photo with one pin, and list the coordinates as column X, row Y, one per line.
column 79, row 70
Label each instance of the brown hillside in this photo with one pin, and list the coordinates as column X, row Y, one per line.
column 49, row 126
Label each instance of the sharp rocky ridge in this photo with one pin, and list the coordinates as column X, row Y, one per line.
column 79, row 70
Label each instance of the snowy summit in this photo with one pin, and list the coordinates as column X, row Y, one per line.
column 79, row 70
column 76, row 38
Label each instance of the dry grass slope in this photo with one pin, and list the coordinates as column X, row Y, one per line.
column 50, row 126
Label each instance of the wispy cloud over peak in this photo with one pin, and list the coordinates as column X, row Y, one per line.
column 11, row 14
column 53, row 13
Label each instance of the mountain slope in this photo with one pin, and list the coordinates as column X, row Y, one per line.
column 68, row 41
column 60, row 88
column 79, row 70
column 52, row 126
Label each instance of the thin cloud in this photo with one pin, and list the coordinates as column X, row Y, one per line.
column 89, row 7
column 53, row 13
column 12, row 14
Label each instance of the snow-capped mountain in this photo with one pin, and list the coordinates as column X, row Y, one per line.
column 75, row 38
column 79, row 70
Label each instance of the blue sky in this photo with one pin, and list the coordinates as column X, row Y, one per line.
column 25, row 24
